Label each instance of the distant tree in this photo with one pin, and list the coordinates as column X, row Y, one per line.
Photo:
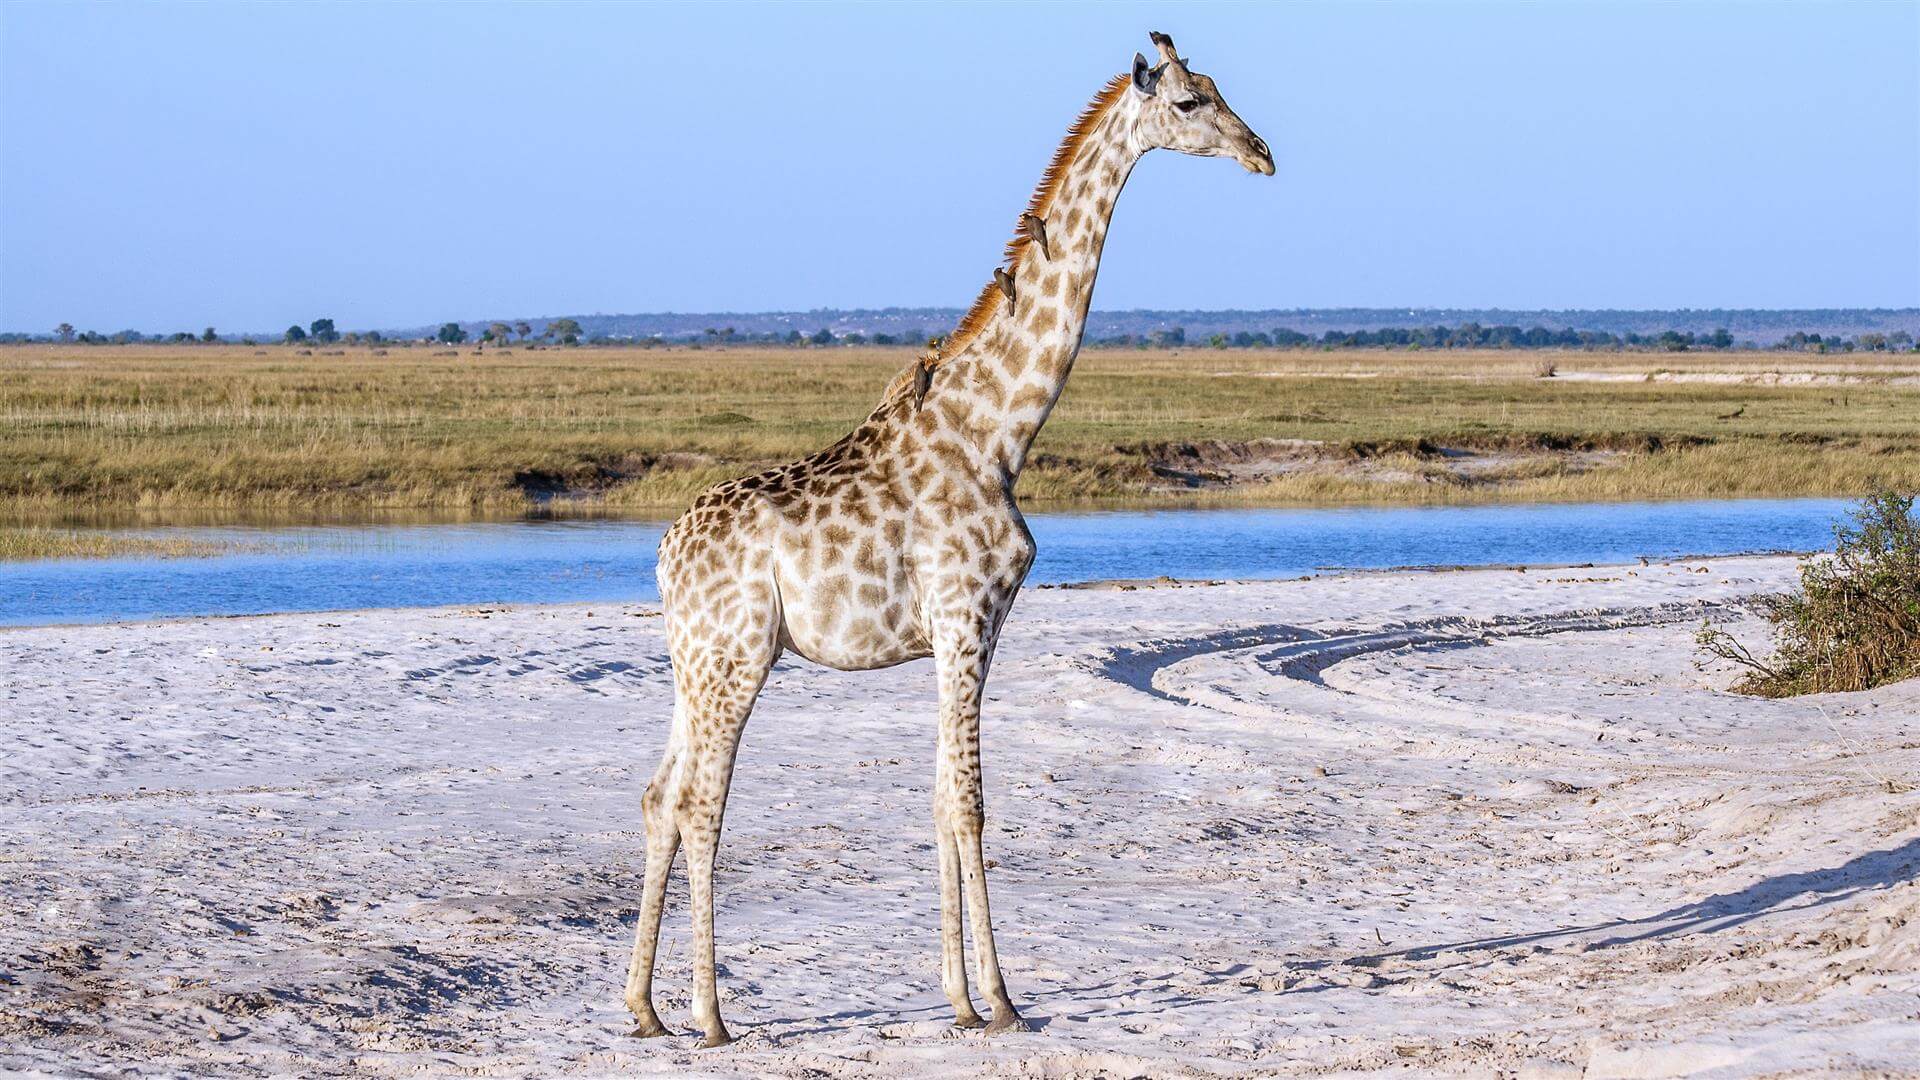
column 822, row 336
column 523, row 329
column 1217, row 341
column 64, row 331
column 855, row 338
column 793, row 337
column 1900, row 339
column 295, row 335
column 209, row 336
column 567, row 330
column 500, row 331
column 323, row 332
column 1721, row 339
column 885, row 339
column 451, row 334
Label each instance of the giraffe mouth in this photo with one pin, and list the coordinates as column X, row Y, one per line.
column 1255, row 156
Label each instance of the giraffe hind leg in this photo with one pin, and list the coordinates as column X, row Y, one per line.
column 718, row 707
column 663, row 842
column 714, row 691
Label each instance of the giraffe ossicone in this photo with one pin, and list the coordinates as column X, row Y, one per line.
column 903, row 540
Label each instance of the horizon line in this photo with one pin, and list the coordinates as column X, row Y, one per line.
column 955, row 310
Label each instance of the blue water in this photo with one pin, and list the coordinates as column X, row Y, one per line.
column 321, row 568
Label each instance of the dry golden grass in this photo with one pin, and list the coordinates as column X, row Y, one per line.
column 233, row 426
column 18, row 544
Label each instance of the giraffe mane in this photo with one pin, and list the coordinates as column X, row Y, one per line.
column 985, row 304
column 1044, row 193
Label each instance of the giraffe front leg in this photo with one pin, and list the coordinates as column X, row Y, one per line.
column 963, row 658
column 953, row 957
column 986, row 959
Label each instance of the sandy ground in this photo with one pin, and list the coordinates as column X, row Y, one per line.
column 1474, row 822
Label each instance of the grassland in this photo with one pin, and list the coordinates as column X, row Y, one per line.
column 90, row 429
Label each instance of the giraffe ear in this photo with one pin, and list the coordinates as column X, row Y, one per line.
column 1146, row 79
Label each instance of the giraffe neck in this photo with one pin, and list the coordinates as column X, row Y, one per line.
column 1017, row 365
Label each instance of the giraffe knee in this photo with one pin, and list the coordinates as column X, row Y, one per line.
column 965, row 816
column 657, row 807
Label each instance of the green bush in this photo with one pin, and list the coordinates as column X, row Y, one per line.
column 1854, row 623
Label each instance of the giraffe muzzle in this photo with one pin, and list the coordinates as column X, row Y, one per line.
column 1257, row 158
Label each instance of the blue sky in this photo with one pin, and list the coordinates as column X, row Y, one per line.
column 168, row 166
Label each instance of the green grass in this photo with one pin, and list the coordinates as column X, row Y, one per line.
column 95, row 428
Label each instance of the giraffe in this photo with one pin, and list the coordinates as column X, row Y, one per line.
column 903, row 540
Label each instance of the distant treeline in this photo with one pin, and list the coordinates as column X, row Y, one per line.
column 1474, row 336
column 1762, row 326
column 910, row 324
column 1468, row 335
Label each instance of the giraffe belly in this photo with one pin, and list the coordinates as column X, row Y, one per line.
column 851, row 643
column 849, row 622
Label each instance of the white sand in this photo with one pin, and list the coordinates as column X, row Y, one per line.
column 1453, row 823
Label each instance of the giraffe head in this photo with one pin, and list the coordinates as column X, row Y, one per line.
column 1183, row 110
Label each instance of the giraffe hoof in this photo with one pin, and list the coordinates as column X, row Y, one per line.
column 1005, row 1019
column 648, row 1029
column 969, row 1020
column 717, row 1037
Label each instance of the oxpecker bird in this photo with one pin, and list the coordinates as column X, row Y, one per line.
column 1036, row 229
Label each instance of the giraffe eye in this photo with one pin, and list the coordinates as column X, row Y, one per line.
column 1189, row 104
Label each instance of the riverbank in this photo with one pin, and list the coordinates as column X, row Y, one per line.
column 97, row 429
column 1470, row 822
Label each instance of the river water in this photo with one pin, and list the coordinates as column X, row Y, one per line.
column 312, row 567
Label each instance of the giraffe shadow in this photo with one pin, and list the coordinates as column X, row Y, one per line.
column 832, row 1023
column 1869, row 872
